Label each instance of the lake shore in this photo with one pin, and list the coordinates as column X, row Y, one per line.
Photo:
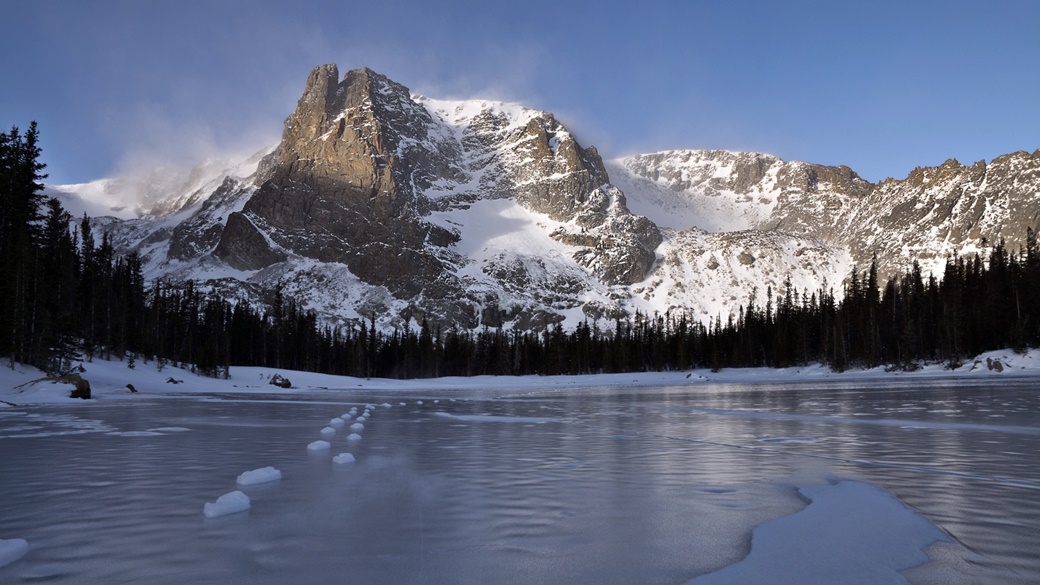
column 23, row 385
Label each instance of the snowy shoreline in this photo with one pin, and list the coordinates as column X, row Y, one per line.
column 25, row 385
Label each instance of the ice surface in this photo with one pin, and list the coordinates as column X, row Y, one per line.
column 319, row 446
column 262, row 475
column 353, row 437
column 228, row 503
column 12, row 549
column 328, row 432
column 495, row 418
column 357, row 427
column 343, row 458
column 851, row 533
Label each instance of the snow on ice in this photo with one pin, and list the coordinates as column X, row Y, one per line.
column 229, row 503
column 319, row 446
column 12, row 549
column 256, row 476
column 851, row 533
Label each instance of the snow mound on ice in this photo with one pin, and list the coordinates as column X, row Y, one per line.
column 343, row 458
column 337, row 422
column 12, row 549
column 319, row 446
column 262, row 475
column 229, row 503
column 328, row 432
column 353, row 437
column 357, row 427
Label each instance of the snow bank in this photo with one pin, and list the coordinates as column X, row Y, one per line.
column 108, row 379
column 229, row 503
column 11, row 550
column 343, row 458
column 320, row 446
column 262, row 475
column 851, row 533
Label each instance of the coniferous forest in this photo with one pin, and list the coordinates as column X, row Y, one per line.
column 66, row 296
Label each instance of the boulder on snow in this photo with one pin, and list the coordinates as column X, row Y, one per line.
column 82, row 387
column 281, row 382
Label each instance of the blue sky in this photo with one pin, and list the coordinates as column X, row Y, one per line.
column 881, row 86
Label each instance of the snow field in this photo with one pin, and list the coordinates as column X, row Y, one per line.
column 229, row 503
column 258, row 476
column 12, row 549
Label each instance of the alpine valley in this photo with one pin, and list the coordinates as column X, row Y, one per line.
column 378, row 203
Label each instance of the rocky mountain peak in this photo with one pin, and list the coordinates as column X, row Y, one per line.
column 471, row 212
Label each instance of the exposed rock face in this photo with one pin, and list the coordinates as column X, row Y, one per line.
column 340, row 187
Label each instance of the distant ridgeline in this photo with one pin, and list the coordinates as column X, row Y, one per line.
column 65, row 298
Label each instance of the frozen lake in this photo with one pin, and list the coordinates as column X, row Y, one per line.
column 597, row 485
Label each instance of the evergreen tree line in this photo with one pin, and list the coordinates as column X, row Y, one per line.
column 66, row 296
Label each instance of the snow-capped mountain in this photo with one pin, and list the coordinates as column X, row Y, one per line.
column 380, row 203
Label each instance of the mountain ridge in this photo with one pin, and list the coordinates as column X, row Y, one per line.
column 377, row 203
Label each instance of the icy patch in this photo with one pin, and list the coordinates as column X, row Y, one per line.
column 12, row 549
column 343, row 458
column 789, row 440
column 257, row 476
column 357, row 427
column 353, row 437
column 170, row 430
column 328, row 432
column 319, row 446
column 496, row 418
column 134, row 434
column 229, row 503
column 850, row 524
